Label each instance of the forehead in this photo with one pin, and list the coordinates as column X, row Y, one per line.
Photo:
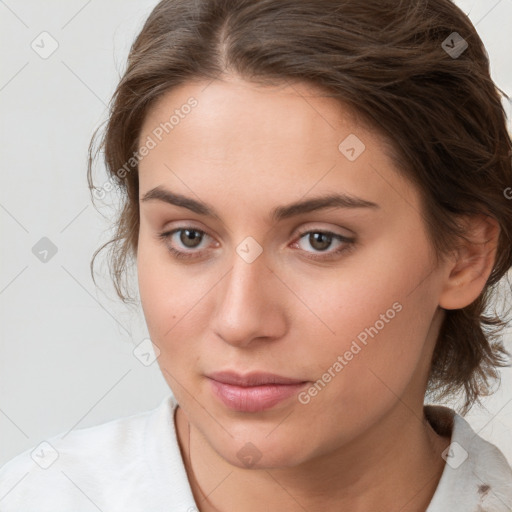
column 243, row 137
column 250, row 110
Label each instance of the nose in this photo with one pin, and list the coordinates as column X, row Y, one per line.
column 250, row 304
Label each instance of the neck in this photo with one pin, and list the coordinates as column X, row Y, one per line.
column 396, row 465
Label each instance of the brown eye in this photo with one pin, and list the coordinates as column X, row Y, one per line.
column 319, row 240
column 183, row 243
column 317, row 244
column 190, row 238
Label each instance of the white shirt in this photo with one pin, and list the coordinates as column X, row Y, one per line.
column 134, row 464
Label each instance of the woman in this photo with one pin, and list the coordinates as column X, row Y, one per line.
column 315, row 197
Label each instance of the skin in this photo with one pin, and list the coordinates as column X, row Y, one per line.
column 362, row 443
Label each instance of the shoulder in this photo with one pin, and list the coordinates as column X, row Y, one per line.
column 477, row 476
column 86, row 468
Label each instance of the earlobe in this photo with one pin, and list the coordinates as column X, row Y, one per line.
column 472, row 263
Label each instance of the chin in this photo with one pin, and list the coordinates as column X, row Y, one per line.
column 261, row 454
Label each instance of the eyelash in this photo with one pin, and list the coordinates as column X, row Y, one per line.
column 185, row 255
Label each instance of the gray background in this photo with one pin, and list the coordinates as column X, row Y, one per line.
column 66, row 347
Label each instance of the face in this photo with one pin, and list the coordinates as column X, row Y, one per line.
column 342, row 298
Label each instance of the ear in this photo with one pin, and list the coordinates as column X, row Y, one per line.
column 471, row 263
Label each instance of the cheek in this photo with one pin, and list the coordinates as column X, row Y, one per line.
column 175, row 303
column 380, row 310
column 367, row 288
column 167, row 301
column 359, row 326
column 163, row 295
column 166, row 291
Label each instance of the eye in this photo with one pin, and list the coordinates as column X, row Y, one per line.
column 188, row 237
column 321, row 241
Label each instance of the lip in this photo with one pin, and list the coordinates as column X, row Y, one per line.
column 253, row 392
column 251, row 379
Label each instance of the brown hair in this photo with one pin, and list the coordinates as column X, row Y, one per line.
column 394, row 63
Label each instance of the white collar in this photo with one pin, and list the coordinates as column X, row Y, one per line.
column 477, row 476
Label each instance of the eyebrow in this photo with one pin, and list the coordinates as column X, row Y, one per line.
column 279, row 213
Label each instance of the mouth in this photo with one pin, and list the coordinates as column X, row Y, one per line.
column 253, row 392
